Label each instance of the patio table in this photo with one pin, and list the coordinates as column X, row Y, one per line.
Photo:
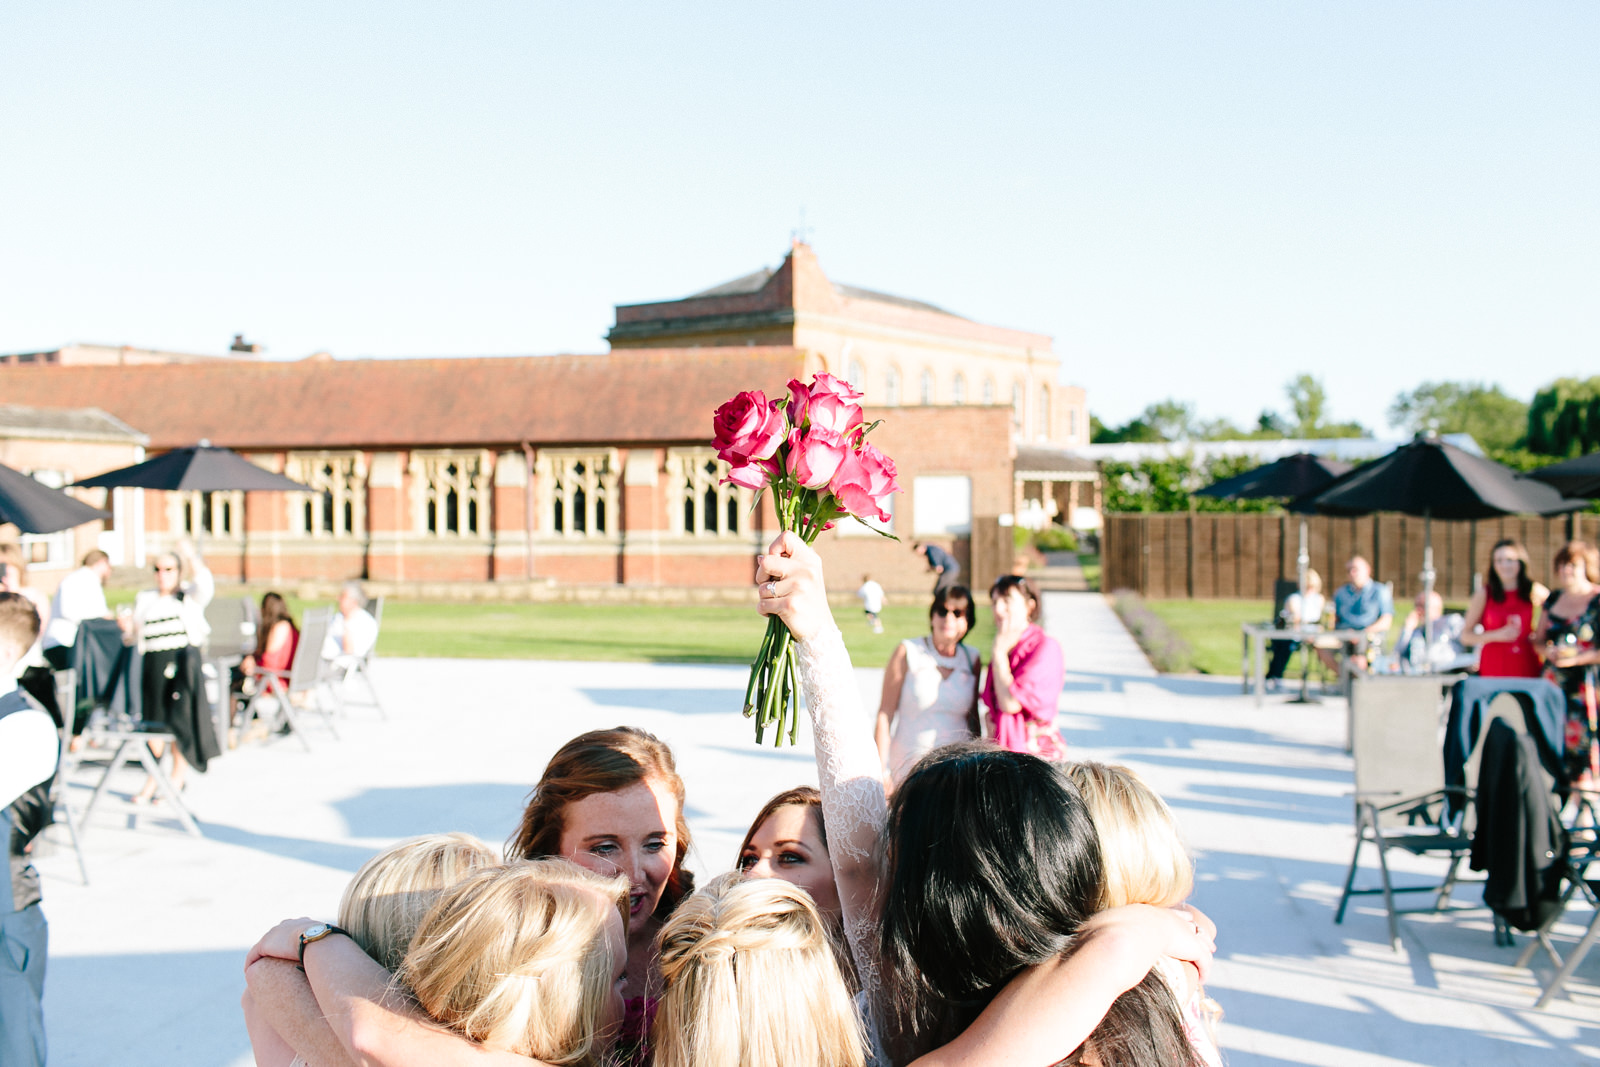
column 1255, row 635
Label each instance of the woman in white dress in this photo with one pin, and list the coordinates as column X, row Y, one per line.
column 930, row 687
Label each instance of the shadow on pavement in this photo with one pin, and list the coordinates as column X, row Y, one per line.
column 172, row 1001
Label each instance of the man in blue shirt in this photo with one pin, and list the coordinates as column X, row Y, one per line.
column 1360, row 604
column 940, row 563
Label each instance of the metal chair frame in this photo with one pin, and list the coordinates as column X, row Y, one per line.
column 1400, row 791
column 308, row 676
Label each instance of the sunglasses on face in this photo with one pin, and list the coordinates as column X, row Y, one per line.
column 942, row 612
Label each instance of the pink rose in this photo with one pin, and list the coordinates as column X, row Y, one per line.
column 826, row 383
column 752, row 475
column 799, row 403
column 835, row 413
column 864, row 482
column 747, row 428
column 814, row 457
column 828, row 401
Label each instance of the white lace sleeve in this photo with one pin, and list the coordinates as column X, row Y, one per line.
column 853, row 802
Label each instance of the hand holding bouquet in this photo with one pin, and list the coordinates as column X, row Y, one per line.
column 811, row 450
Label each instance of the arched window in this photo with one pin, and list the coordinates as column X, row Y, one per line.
column 711, row 506
column 927, row 387
column 988, row 390
column 1018, row 398
column 454, row 489
column 578, row 488
column 857, row 375
column 1072, row 424
column 1043, row 429
column 958, row 390
column 891, row 387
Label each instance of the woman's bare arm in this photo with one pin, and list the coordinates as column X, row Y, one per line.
column 282, row 1000
column 1469, row 638
column 1050, row 1009
column 894, row 677
column 376, row 1025
column 269, row 1049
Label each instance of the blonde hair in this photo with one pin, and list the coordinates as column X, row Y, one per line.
column 516, row 959
column 1144, row 858
column 723, row 953
column 1313, row 580
column 385, row 902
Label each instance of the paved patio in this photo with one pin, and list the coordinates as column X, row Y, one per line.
column 145, row 961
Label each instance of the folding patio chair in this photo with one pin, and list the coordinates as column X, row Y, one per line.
column 1583, row 853
column 303, row 685
column 1400, row 790
column 361, row 666
column 66, row 682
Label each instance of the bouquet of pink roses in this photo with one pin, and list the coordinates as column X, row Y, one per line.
column 811, row 450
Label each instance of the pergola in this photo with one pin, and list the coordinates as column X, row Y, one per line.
column 1050, row 468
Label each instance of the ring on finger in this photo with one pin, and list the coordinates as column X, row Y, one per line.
column 771, row 589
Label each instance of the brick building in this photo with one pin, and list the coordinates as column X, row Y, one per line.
column 584, row 470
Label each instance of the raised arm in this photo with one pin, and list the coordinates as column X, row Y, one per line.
column 1047, row 1011
column 848, row 768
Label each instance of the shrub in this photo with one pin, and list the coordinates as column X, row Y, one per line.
column 1168, row 653
column 1055, row 539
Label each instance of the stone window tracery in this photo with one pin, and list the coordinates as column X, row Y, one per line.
column 704, row 507
column 338, row 505
column 580, row 492
column 452, row 493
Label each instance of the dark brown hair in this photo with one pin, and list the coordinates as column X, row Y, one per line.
column 1007, row 582
column 1579, row 552
column 991, row 865
column 801, row 796
column 602, row 761
column 942, row 598
column 274, row 609
column 19, row 620
column 1497, row 591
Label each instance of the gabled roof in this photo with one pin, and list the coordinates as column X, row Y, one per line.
column 657, row 395
column 66, row 424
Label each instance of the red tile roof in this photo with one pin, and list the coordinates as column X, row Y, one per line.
column 641, row 395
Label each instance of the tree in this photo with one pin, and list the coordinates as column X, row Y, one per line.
column 1564, row 418
column 1308, row 401
column 1496, row 421
column 1165, row 420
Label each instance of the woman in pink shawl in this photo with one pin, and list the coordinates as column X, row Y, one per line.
column 1025, row 673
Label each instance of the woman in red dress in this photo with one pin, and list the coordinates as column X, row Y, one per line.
column 1500, row 618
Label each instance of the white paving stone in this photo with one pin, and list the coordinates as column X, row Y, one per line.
column 145, row 961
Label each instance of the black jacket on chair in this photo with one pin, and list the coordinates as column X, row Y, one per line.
column 1519, row 840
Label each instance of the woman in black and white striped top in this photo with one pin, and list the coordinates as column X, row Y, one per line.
column 169, row 626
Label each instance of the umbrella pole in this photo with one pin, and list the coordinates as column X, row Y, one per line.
column 1302, row 562
column 1428, row 576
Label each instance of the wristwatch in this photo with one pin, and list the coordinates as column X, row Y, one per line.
column 316, row 932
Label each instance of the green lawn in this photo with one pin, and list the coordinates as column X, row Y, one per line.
column 641, row 633
column 1091, row 569
column 1211, row 627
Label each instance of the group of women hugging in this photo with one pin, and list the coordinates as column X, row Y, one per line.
column 988, row 905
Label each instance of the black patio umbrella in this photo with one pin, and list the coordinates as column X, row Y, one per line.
column 1289, row 477
column 1574, row 477
column 1434, row 480
column 36, row 508
column 202, row 468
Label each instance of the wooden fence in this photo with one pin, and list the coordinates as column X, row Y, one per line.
column 1167, row 555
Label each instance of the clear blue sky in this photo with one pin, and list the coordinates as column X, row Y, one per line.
column 1196, row 200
